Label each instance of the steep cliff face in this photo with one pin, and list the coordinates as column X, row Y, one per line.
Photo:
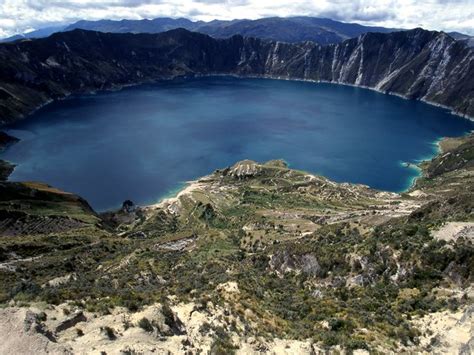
column 417, row 64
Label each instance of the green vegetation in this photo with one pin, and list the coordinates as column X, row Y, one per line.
column 338, row 264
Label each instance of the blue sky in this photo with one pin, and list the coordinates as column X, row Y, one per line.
column 17, row 16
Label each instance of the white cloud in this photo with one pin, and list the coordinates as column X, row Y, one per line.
column 18, row 16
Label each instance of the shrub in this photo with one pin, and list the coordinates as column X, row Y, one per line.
column 66, row 311
column 42, row 317
column 339, row 324
column 126, row 323
column 330, row 339
column 354, row 344
column 110, row 333
column 222, row 345
column 145, row 324
column 205, row 328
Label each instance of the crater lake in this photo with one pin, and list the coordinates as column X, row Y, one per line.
column 142, row 143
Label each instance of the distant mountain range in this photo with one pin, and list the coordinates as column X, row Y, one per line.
column 291, row 29
column 40, row 33
column 286, row 29
column 416, row 64
column 469, row 40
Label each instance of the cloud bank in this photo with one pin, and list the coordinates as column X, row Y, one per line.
column 18, row 16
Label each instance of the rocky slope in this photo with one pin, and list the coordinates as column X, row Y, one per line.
column 6, row 168
column 415, row 64
column 252, row 258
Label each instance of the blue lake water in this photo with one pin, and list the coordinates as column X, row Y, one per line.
column 142, row 143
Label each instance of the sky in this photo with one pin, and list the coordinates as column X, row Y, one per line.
column 19, row 16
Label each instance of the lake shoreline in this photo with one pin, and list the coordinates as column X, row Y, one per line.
column 119, row 87
column 175, row 191
column 185, row 188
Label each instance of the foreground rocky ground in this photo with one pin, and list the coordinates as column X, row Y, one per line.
column 252, row 258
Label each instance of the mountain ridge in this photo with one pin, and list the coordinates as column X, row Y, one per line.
column 416, row 64
column 289, row 29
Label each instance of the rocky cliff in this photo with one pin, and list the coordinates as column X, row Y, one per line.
column 416, row 64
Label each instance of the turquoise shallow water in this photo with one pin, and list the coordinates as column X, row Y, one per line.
column 142, row 143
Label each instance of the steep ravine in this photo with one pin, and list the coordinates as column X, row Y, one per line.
column 416, row 64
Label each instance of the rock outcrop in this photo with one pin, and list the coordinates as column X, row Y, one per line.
column 6, row 140
column 6, row 168
column 71, row 321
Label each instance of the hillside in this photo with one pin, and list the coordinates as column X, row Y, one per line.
column 253, row 257
column 416, row 64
